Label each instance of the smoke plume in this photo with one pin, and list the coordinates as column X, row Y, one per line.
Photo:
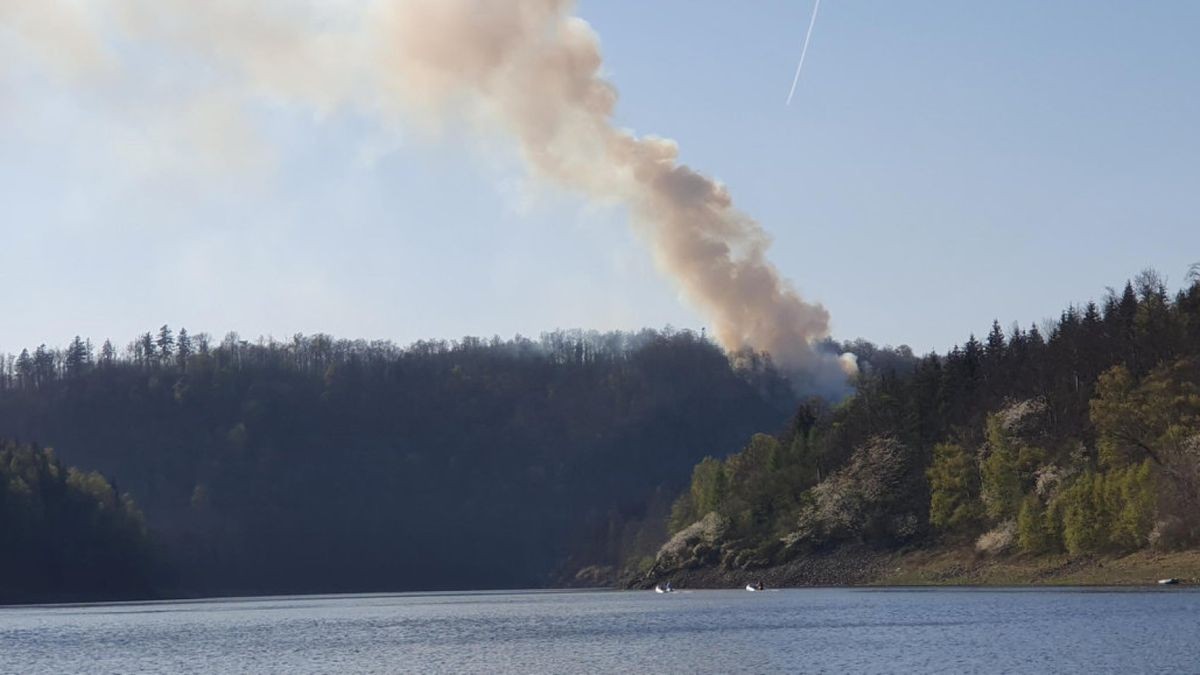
column 529, row 68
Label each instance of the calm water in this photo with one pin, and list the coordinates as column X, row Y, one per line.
column 818, row 630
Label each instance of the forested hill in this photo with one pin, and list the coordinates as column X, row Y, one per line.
column 66, row 534
column 330, row 465
column 1081, row 437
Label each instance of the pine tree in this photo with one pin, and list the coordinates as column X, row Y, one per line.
column 165, row 343
column 994, row 347
column 972, row 356
column 78, row 358
column 145, row 349
column 43, row 366
column 1122, row 327
column 108, row 354
column 25, row 370
column 183, row 348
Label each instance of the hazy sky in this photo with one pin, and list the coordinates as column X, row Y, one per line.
column 942, row 164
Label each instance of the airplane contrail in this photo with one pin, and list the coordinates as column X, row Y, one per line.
column 804, row 51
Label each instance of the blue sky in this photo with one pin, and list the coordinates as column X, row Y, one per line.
column 941, row 165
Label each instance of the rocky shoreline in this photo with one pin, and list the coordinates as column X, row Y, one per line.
column 859, row 565
column 847, row 566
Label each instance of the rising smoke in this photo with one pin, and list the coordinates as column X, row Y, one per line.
column 527, row 67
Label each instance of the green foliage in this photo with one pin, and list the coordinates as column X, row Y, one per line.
column 1035, row 533
column 1007, row 471
column 1132, row 418
column 1001, row 483
column 1083, row 437
column 954, row 489
column 683, row 513
column 754, row 494
column 750, row 488
column 1111, row 511
column 1132, row 494
column 473, row 463
column 1084, row 523
column 1155, row 420
column 66, row 533
column 250, row 455
column 710, row 485
column 1117, row 417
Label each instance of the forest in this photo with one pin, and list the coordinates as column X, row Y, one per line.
column 1080, row 436
column 66, row 534
column 322, row 465
column 183, row 465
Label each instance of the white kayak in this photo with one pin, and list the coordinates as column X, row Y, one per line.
column 752, row 588
column 663, row 589
column 1168, row 582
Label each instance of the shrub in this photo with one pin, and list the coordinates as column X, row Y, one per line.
column 1132, row 492
column 1034, row 533
column 863, row 499
column 1084, row 520
column 1170, row 534
column 997, row 540
column 1007, row 468
column 954, row 489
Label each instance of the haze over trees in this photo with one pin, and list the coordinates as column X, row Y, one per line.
column 1081, row 436
column 332, row 465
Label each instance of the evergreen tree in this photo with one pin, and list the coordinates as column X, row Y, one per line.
column 183, row 348
column 78, row 358
column 145, row 349
column 25, row 370
column 994, row 348
column 108, row 354
column 165, row 343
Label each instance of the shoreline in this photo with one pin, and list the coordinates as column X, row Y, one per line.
column 847, row 567
column 862, row 567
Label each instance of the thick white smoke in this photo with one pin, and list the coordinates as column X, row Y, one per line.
column 527, row 67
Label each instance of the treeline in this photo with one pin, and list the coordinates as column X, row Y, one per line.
column 1082, row 435
column 317, row 464
column 66, row 534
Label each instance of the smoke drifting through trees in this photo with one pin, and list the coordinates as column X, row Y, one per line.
column 530, row 68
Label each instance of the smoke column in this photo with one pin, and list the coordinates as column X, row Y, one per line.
column 531, row 69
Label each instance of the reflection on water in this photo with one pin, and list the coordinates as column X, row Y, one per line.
column 859, row 630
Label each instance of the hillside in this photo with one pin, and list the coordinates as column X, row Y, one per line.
column 319, row 465
column 1077, row 439
column 66, row 534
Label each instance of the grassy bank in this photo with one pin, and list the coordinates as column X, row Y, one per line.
column 963, row 566
column 863, row 566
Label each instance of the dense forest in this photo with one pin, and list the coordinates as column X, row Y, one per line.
column 317, row 464
column 66, row 534
column 1081, row 436
column 331, row 465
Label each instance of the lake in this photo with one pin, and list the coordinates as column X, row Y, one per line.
column 802, row 630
